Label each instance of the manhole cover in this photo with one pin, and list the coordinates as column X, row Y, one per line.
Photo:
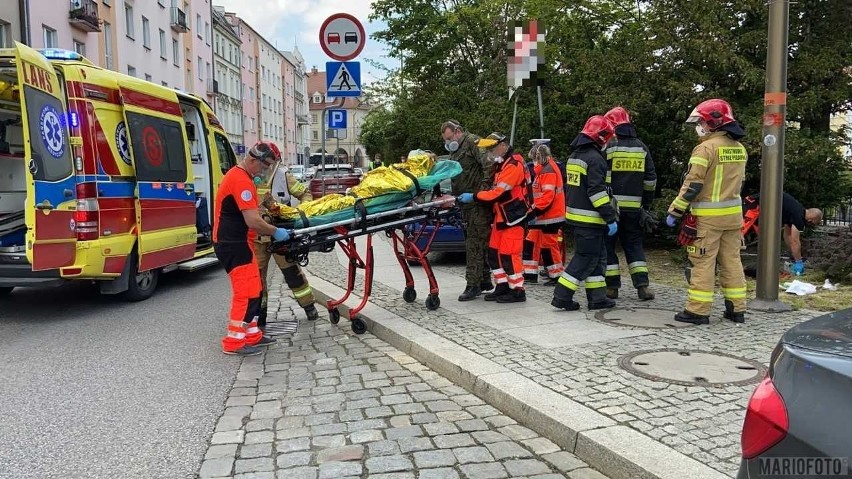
column 641, row 318
column 693, row 368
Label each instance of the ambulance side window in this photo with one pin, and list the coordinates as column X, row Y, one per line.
column 227, row 158
column 48, row 136
column 159, row 149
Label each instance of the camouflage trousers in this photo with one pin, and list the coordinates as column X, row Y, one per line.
column 477, row 232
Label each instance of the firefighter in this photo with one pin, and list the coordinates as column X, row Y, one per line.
column 633, row 181
column 511, row 206
column 710, row 200
column 592, row 218
column 237, row 225
column 283, row 188
column 475, row 177
column 542, row 240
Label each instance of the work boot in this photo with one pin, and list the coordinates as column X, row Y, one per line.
column 311, row 312
column 500, row 290
column 567, row 305
column 470, row 293
column 245, row 351
column 530, row 278
column 551, row 282
column 486, row 285
column 605, row 304
column 690, row 317
column 731, row 315
column 264, row 342
column 645, row 293
column 612, row 293
column 513, row 296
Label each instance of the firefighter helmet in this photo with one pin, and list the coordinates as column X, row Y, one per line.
column 716, row 113
column 618, row 116
column 599, row 129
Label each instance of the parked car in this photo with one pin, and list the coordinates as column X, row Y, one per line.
column 448, row 239
column 337, row 179
column 799, row 419
column 298, row 171
column 360, row 173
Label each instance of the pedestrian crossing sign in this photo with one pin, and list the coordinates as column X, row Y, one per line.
column 342, row 79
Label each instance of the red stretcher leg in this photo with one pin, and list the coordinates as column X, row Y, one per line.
column 349, row 247
column 369, row 263
column 403, row 257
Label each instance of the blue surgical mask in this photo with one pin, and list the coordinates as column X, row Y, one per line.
column 257, row 181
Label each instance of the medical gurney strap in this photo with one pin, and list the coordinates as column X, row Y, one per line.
column 304, row 218
column 417, row 188
column 362, row 210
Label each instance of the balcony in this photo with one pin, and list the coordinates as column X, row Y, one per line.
column 84, row 15
column 212, row 86
column 179, row 24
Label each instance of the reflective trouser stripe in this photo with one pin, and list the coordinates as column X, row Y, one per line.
column 500, row 275
column 569, row 281
column 302, row 292
column 734, row 293
column 593, row 282
column 613, row 270
column 236, row 330
column 638, row 267
column 700, row 296
column 530, row 266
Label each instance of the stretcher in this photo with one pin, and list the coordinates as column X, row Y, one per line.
column 395, row 215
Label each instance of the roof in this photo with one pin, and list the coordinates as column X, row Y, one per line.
column 316, row 83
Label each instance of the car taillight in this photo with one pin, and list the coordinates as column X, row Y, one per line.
column 766, row 421
column 86, row 216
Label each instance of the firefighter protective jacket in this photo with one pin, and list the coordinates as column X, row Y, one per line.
column 548, row 195
column 711, row 189
column 511, row 183
column 631, row 173
column 588, row 200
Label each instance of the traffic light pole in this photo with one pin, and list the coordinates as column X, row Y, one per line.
column 772, row 165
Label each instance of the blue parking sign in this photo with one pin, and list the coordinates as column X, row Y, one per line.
column 337, row 119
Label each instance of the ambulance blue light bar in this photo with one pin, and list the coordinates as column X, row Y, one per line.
column 60, row 54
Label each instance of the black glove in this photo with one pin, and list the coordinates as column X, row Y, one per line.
column 647, row 221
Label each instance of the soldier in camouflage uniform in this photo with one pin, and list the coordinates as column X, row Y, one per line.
column 475, row 177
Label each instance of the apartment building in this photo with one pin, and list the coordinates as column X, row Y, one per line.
column 10, row 23
column 227, row 102
column 300, row 128
column 271, row 89
column 348, row 150
column 249, row 61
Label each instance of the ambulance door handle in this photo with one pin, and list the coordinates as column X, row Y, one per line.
column 68, row 193
column 44, row 205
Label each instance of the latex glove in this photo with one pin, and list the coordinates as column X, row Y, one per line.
column 613, row 228
column 281, row 234
column 466, row 198
column 671, row 221
column 798, row 267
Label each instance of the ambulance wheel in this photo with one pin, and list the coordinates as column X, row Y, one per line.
column 6, row 290
column 409, row 295
column 359, row 326
column 140, row 285
column 334, row 315
column 433, row 302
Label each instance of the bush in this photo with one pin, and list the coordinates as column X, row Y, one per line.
column 830, row 251
column 664, row 236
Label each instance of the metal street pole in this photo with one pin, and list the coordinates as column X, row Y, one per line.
column 540, row 112
column 514, row 120
column 772, row 174
column 323, row 130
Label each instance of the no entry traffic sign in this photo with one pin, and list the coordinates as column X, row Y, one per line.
column 342, row 37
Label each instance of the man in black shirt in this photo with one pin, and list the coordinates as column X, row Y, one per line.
column 794, row 218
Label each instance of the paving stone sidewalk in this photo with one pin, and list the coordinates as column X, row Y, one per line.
column 701, row 422
column 326, row 404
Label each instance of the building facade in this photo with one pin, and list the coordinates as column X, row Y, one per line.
column 248, row 79
column 271, row 89
column 348, row 149
column 227, row 102
column 199, row 47
column 301, row 127
column 10, row 23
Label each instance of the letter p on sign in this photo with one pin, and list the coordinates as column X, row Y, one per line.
column 337, row 119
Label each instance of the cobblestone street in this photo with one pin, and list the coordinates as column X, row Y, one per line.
column 326, row 404
column 699, row 421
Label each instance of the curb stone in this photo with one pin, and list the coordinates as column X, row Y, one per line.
column 617, row 451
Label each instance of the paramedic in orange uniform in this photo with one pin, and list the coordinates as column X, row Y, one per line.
column 237, row 225
column 511, row 208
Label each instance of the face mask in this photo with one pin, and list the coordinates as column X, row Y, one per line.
column 257, row 181
column 700, row 130
column 451, row 146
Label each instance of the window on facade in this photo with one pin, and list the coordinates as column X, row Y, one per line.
column 314, row 118
column 50, row 38
column 317, row 98
column 146, row 33
column 209, row 73
column 128, row 21
column 80, row 47
column 251, row 93
column 175, row 52
column 207, row 32
column 5, row 35
column 315, row 135
column 131, row 70
column 200, row 68
column 108, row 45
column 199, row 26
column 162, row 44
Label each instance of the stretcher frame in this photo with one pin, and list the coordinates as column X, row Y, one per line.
column 399, row 225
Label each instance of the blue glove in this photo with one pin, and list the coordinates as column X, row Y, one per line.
column 671, row 221
column 613, row 228
column 281, row 234
column 466, row 198
column 798, row 267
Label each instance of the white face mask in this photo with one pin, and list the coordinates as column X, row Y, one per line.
column 700, row 130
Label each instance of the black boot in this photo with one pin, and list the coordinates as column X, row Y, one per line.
column 604, row 304
column 470, row 293
column 690, row 317
column 645, row 293
column 731, row 315
column 311, row 312
column 567, row 305
column 500, row 290
column 551, row 282
column 485, row 285
column 530, row 278
column 513, row 296
column 612, row 293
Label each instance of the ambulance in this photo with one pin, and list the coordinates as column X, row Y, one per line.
column 103, row 176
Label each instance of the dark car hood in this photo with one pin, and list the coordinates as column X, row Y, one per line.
column 830, row 333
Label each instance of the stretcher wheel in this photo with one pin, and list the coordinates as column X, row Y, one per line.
column 409, row 295
column 334, row 315
column 433, row 302
column 359, row 326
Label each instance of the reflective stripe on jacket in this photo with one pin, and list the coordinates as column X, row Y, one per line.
column 588, row 199
column 510, row 182
column 631, row 174
column 548, row 195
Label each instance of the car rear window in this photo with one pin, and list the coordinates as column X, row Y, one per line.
column 334, row 172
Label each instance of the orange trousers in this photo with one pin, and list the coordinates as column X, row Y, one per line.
column 504, row 256
column 547, row 246
column 241, row 265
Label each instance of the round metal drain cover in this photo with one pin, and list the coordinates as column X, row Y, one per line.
column 693, row 368
column 641, row 318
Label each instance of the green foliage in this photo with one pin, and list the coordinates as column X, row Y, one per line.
column 658, row 58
